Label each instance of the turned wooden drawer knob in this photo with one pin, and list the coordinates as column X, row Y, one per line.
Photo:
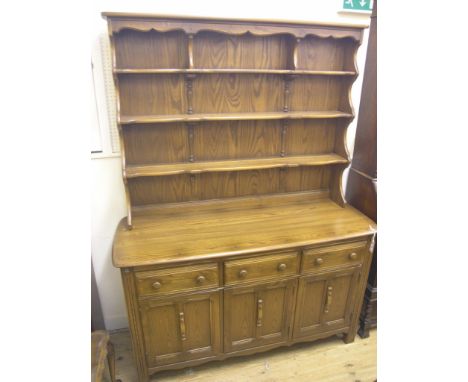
column 201, row 279
column 353, row 256
column 318, row 261
column 243, row 273
column 281, row 267
column 157, row 285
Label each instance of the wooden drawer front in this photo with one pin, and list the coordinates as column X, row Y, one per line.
column 332, row 257
column 180, row 279
column 261, row 267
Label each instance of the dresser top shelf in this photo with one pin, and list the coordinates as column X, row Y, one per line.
column 193, row 25
column 146, row 16
column 194, row 231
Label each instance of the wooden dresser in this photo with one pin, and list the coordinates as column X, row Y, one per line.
column 238, row 238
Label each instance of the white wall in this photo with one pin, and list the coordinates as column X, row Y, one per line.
column 107, row 193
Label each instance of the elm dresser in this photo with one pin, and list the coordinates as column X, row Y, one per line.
column 238, row 238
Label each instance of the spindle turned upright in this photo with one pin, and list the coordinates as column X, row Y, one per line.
column 238, row 238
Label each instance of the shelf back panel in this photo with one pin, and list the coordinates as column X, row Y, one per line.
column 236, row 140
column 310, row 137
column 218, row 51
column 231, row 93
column 316, row 53
column 224, row 140
column 185, row 187
column 152, row 94
column 155, row 94
column 156, row 143
column 150, row 50
column 320, row 93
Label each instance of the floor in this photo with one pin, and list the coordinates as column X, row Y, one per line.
column 328, row 360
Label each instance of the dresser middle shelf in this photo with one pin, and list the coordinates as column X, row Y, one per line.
column 134, row 171
column 162, row 118
column 236, row 71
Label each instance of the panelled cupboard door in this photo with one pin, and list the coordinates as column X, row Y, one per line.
column 325, row 301
column 257, row 315
column 181, row 329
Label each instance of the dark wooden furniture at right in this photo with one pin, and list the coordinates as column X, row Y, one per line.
column 362, row 182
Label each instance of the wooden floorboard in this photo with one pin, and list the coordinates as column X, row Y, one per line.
column 328, row 360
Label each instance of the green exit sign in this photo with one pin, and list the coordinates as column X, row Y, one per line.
column 357, row 5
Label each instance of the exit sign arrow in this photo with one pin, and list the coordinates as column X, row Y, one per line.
column 357, row 5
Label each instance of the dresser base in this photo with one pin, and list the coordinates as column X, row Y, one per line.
column 151, row 374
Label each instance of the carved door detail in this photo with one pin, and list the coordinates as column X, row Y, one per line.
column 181, row 329
column 257, row 315
column 324, row 301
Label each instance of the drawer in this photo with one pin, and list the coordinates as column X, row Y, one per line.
column 177, row 279
column 260, row 267
column 334, row 256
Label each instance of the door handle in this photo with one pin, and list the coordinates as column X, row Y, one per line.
column 259, row 312
column 329, row 299
column 182, row 326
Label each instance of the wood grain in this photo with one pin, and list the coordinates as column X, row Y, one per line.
column 244, row 183
column 99, row 341
column 133, row 315
column 177, row 188
column 256, row 268
column 186, row 232
column 226, row 184
column 361, row 191
column 155, row 118
column 236, row 140
column 318, row 93
column 336, row 184
column 192, row 25
column 149, row 144
column 233, row 165
column 306, row 178
column 333, row 257
column 325, row 301
column 325, row 54
column 163, row 337
column 327, row 360
column 150, row 50
column 218, row 50
column 152, row 94
column 235, row 71
column 177, row 280
column 310, row 137
column 231, row 93
column 241, row 315
column 233, row 137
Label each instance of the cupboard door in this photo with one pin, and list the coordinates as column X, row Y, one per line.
column 181, row 329
column 257, row 315
column 325, row 302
